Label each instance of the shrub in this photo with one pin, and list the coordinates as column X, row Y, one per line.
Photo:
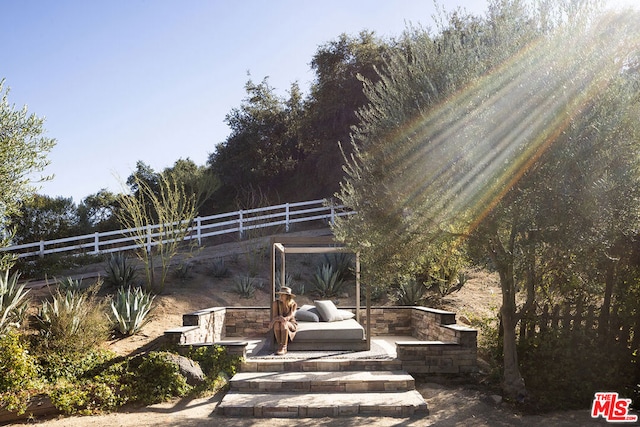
column 73, row 321
column 183, row 270
column 246, row 286
column 156, row 380
column 326, row 282
column 410, row 292
column 130, row 310
column 19, row 373
column 70, row 284
column 219, row 269
column 13, row 301
column 119, row 272
column 342, row 263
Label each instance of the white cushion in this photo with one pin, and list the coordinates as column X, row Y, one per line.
column 346, row 314
column 328, row 311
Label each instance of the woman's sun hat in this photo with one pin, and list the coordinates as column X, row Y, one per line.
column 285, row 290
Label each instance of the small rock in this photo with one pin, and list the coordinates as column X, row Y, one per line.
column 497, row 399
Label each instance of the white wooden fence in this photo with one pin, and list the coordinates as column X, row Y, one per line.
column 238, row 222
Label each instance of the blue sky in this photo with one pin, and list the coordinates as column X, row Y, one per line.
column 121, row 81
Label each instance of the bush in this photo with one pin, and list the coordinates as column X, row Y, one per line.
column 119, row 272
column 326, row 282
column 157, row 380
column 130, row 310
column 219, row 269
column 73, row 321
column 19, row 377
column 410, row 292
column 246, row 286
column 342, row 263
column 13, row 301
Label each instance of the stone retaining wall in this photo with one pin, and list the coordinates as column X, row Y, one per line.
column 443, row 346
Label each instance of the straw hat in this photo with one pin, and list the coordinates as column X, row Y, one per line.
column 285, row 290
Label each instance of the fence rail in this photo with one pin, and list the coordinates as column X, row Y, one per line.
column 238, row 222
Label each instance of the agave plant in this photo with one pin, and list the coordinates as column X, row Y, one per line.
column 246, row 286
column 326, row 281
column 70, row 284
column 13, row 301
column 341, row 262
column 410, row 292
column 63, row 315
column 130, row 310
column 119, row 272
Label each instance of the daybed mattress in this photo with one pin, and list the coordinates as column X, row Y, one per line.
column 342, row 330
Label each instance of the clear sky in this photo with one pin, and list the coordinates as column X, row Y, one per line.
column 125, row 80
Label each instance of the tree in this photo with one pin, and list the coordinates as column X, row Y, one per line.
column 330, row 109
column 197, row 180
column 45, row 218
column 263, row 147
column 175, row 212
column 98, row 212
column 503, row 133
column 23, row 153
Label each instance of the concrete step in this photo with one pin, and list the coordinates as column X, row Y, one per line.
column 326, row 382
column 322, row 365
column 309, row 405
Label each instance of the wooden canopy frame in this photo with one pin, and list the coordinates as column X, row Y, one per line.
column 316, row 245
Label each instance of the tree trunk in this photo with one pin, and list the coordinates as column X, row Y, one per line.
column 513, row 383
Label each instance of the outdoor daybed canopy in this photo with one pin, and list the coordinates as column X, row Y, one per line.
column 319, row 245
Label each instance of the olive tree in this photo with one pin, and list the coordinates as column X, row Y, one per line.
column 23, row 153
column 496, row 132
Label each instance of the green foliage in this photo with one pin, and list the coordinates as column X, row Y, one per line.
column 214, row 360
column 410, row 292
column 72, row 321
column 19, row 379
column 156, row 380
column 326, row 282
column 85, row 397
column 163, row 206
column 46, row 218
column 70, row 284
column 342, row 263
column 246, row 286
column 70, row 364
column 119, row 272
column 52, row 265
column 23, row 154
column 219, row 269
column 130, row 310
column 184, row 270
column 13, row 301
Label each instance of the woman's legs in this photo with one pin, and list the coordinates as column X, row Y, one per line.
column 282, row 336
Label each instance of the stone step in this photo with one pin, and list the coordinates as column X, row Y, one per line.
column 325, row 382
column 323, row 365
column 310, row 405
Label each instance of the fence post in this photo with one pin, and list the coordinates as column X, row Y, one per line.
column 96, row 243
column 333, row 214
column 286, row 218
column 41, row 248
column 198, row 230
column 240, row 230
column 148, row 238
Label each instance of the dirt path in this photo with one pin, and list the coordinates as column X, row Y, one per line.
column 449, row 405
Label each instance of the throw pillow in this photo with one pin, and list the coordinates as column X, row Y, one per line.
column 307, row 313
column 346, row 314
column 328, row 311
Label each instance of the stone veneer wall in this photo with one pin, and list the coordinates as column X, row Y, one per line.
column 443, row 346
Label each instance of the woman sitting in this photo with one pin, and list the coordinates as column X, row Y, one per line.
column 284, row 323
